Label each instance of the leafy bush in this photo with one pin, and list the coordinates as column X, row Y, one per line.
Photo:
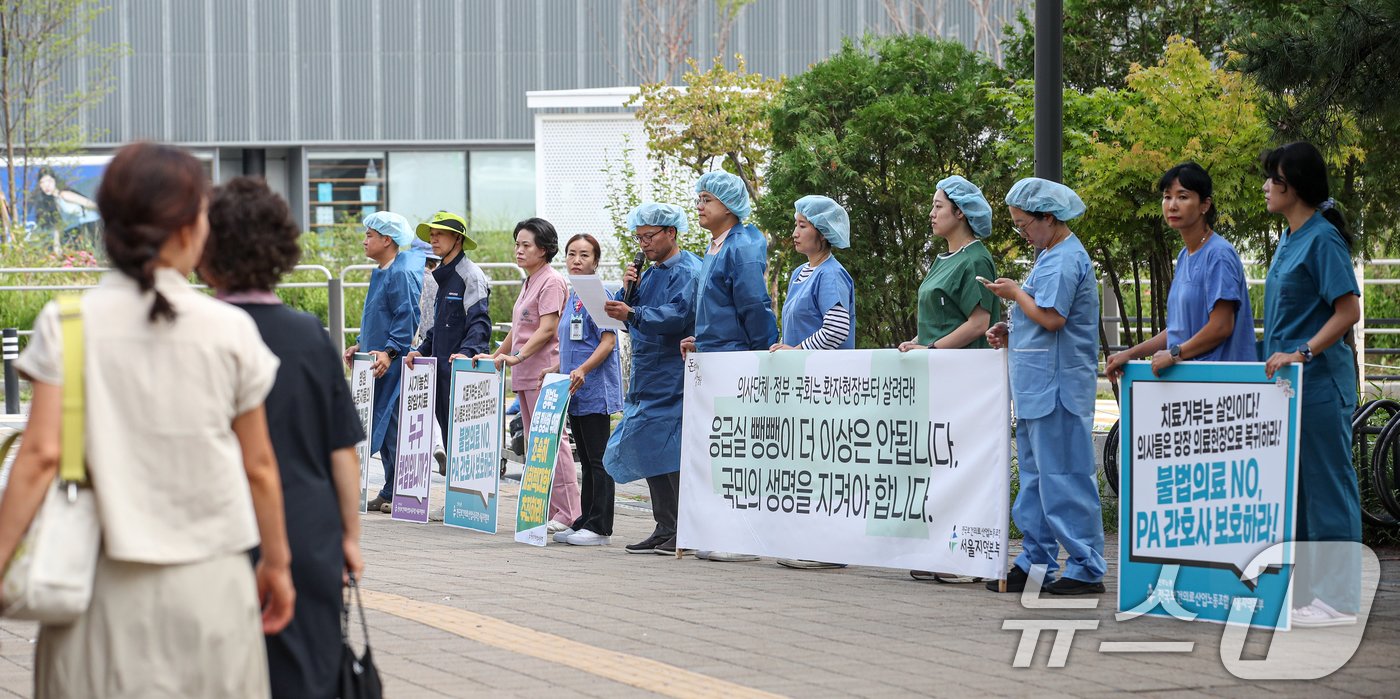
column 875, row 127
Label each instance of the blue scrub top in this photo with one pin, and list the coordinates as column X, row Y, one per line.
column 808, row 301
column 733, row 311
column 601, row 391
column 1057, row 367
column 648, row 440
column 1311, row 270
column 389, row 321
column 1212, row 274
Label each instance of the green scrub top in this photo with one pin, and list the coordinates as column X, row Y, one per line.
column 950, row 293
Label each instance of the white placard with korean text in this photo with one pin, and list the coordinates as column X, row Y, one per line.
column 869, row 457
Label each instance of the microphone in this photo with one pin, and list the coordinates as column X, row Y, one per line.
column 630, row 290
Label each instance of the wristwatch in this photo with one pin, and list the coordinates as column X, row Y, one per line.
column 1306, row 351
column 393, row 353
column 631, row 316
column 1175, row 352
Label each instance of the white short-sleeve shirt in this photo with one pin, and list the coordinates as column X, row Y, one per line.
column 165, row 465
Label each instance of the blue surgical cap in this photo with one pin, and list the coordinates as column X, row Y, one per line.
column 1034, row 195
column 426, row 249
column 828, row 217
column 729, row 190
column 654, row 214
column 392, row 226
column 968, row 198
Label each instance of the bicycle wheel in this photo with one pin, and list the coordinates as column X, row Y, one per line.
column 1110, row 457
column 1379, row 504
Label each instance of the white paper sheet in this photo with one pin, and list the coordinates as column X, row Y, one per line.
column 590, row 290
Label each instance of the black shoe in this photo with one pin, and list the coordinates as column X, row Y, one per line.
column 646, row 546
column 667, row 547
column 1070, row 586
column 1015, row 581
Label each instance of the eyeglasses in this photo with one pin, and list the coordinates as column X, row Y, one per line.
column 704, row 199
column 647, row 237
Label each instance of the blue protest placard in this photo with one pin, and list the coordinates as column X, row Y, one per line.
column 1208, row 486
column 474, row 446
column 541, row 448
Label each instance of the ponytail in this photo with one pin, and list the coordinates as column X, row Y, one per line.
column 148, row 193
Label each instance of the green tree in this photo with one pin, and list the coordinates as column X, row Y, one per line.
column 720, row 115
column 1104, row 39
column 1119, row 142
column 38, row 111
column 874, row 127
column 1336, row 81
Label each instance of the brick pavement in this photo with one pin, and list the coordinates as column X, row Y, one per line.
column 510, row 620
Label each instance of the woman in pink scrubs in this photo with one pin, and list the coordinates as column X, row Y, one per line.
column 533, row 346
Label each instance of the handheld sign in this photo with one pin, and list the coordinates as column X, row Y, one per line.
column 474, row 446
column 362, row 390
column 541, row 448
column 1209, row 483
column 413, row 471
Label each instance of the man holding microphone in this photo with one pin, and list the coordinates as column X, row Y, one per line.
column 657, row 307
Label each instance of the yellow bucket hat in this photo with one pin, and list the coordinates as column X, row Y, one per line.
column 446, row 221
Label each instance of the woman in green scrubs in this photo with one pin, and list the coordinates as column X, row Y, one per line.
column 955, row 309
column 1311, row 301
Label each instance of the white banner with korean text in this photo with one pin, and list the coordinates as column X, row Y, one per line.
column 868, row 457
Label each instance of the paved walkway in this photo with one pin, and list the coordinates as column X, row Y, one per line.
column 455, row 614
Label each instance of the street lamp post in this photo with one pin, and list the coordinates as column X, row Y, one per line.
column 1049, row 90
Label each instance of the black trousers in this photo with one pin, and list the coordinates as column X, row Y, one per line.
column 590, row 433
column 665, row 502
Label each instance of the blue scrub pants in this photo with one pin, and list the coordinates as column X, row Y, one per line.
column 1058, row 503
column 389, row 454
column 1329, row 508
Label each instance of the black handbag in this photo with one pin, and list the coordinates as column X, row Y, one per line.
column 359, row 678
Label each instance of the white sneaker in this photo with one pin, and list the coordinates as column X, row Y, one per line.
column 556, row 527
column 562, row 536
column 1319, row 614
column 585, row 537
column 435, row 515
column 441, row 457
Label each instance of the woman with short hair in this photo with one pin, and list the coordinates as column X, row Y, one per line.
column 313, row 423
column 532, row 345
column 1208, row 312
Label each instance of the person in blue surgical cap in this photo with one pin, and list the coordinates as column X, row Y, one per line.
column 658, row 307
column 820, row 309
column 1054, row 361
column 733, row 312
column 955, row 310
column 386, row 330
